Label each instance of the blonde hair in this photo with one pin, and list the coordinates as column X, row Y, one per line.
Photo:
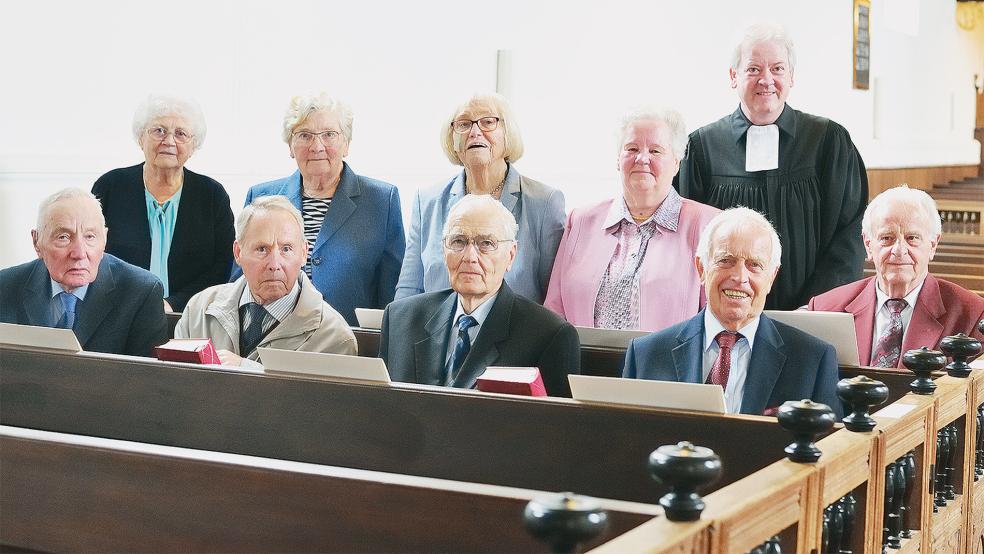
column 513, row 140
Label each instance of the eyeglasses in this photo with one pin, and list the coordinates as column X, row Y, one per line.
column 160, row 133
column 484, row 244
column 306, row 138
column 487, row 124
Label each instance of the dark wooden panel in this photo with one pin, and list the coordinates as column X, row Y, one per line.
column 460, row 435
column 56, row 496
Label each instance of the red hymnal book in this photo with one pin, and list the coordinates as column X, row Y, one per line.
column 196, row 351
column 524, row 381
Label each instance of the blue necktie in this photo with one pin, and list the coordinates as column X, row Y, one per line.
column 253, row 334
column 68, row 301
column 461, row 346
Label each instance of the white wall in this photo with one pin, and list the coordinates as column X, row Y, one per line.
column 74, row 71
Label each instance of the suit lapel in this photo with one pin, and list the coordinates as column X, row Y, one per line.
column 430, row 352
column 485, row 351
column 924, row 327
column 97, row 304
column 37, row 304
column 688, row 354
column 863, row 309
column 764, row 367
column 342, row 206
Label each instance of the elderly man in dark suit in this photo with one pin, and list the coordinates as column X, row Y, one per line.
column 111, row 305
column 449, row 337
column 759, row 362
column 902, row 307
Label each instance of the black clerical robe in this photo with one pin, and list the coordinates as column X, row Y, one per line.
column 815, row 198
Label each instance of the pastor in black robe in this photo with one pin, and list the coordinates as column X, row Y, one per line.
column 815, row 198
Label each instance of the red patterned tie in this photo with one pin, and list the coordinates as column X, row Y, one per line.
column 722, row 365
column 889, row 346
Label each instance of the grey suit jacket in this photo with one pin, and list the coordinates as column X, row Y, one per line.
column 123, row 310
column 517, row 332
column 786, row 363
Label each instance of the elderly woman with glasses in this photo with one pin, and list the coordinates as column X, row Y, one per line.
column 482, row 136
column 162, row 217
column 628, row 262
column 353, row 224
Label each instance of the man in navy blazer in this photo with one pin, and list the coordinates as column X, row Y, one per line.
column 759, row 362
column 111, row 306
column 423, row 336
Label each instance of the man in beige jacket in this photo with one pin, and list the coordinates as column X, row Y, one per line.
column 273, row 304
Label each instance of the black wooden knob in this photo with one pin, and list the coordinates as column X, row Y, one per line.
column 962, row 349
column 564, row 520
column 805, row 419
column 860, row 394
column 685, row 468
column 923, row 363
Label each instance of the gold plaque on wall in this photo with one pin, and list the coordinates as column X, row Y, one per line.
column 862, row 43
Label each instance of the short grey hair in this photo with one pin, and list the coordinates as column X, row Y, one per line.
column 266, row 204
column 514, row 141
column 902, row 199
column 162, row 105
column 483, row 201
column 764, row 32
column 301, row 107
column 73, row 194
column 669, row 117
column 738, row 218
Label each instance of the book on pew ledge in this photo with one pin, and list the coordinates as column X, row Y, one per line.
column 524, row 381
column 369, row 318
column 643, row 392
column 39, row 337
column 318, row 364
column 195, row 351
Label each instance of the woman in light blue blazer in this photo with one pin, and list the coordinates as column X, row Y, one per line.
column 353, row 224
column 483, row 137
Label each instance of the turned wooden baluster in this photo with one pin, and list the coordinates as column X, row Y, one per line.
column 909, row 475
column 951, row 462
column 942, row 452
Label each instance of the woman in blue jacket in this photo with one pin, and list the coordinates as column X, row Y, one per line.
column 482, row 136
column 353, row 224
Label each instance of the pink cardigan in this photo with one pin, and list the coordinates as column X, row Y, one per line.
column 669, row 289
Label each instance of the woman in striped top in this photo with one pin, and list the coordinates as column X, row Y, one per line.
column 353, row 224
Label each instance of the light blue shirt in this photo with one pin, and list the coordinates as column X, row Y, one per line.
column 741, row 352
column 55, row 307
column 161, row 218
column 479, row 313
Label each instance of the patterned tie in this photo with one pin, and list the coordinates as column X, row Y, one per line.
column 253, row 334
column 889, row 346
column 722, row 365
column 68, row 301
column 461, row 347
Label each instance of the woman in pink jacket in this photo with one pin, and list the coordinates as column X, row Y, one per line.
column 628, row 262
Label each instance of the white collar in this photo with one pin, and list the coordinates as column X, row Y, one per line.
column 712, row 327
column 910, row 299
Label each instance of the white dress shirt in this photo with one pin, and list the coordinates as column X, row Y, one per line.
column 479, row 313
column 741, row 352
column 883, row 315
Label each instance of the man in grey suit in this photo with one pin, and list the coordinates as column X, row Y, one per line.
column 760, row 363
column 111, row 306
column 449, row 337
